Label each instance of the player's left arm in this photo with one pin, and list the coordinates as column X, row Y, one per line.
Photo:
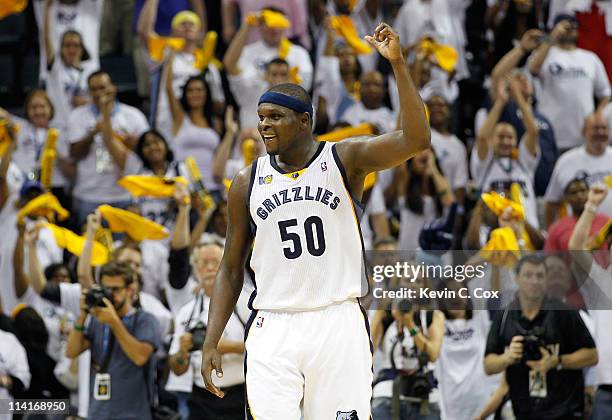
column 365, row 155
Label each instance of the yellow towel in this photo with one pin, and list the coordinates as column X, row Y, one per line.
column 11, row 7
column 283, row 48
column 249, row 150
column 294, row 75
column 345, row 27
column 270, row 18
column 157, row 45
column 45, row 205
column 4, row 135
column 47, row 159
column 502, row 249
column 446, row 56
column 151, row 185
column 498, row 204
column 369, row 181
column 74, row 244
column 608, row 181
column 137, row 227
column 204, row 55
column 601, row 236
column 347, row 132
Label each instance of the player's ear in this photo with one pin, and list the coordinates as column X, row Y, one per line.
column 305, row 120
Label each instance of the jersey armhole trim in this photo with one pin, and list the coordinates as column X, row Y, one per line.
column 359, row 204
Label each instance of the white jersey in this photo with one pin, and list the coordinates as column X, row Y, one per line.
column 307, row 251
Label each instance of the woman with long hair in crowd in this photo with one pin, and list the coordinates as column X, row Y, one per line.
column 192, row 126
column 424, row 194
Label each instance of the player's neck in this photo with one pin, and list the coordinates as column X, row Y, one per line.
column 296, row 158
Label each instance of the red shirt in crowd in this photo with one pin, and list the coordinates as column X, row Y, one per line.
column 592, row 36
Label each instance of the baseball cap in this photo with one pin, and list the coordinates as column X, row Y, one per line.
column 30, row 185
column 565, row 16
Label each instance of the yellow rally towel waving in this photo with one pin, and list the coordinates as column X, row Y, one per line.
column 137, row 227
column 45, row 205
column 74, row 244
column 347, row 30
column 151, row 185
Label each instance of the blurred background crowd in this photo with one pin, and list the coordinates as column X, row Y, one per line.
column 123, row 122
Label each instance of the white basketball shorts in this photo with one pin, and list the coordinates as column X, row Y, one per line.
column 320, row 359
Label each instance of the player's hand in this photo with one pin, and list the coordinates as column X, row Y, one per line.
column 531, row 39
column 387, row 42
column 211, row 360
column 546, row 363
column 597, row 194
column 514, row 353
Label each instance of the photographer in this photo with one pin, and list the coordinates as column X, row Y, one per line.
column 190, row 330
column 542, row 344
column 403, row 388
column 122, row 341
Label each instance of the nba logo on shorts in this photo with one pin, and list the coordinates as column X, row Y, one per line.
column 259, row 322
column 347, row 415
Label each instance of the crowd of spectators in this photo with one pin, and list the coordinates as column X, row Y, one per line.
column 109, row 310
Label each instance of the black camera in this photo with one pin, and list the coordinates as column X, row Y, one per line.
column 95, row 296
column 532, row 341
column 198, row 333
column 419, row 384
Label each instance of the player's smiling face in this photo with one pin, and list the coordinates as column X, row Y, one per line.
column 278, row 126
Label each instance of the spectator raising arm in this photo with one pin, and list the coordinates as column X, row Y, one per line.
column 529, row 41
column 146, row 21
column 176, row 109
column 20, row 277
column 535, row 65
column 36, row 276
column 224, row 150
column 234, row 51
column 532, row 131
column 84, row 272
column 48, row 44
column 580, row 235
column 178, row 260
column 486, row 131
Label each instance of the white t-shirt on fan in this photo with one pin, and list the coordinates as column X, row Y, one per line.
column 492, row 174
column 13, row 362
column 83, row 16
column 64, row 82
column 565, row 88
column 383, row 118
column 577, row 163
column 97, row 173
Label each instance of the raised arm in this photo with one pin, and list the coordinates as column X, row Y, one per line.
column 48, row 43
column 36, row 275
column 84, row 272
column 432, row 342
column 199, row 8
column 146, row 21
column 443, row 189
column 176, row 109
column 532, row 131
column 234, row 51
column 529, row 41
column 535, row 65
column 365, row 155
column 180, row 237
column 486, row 132
column 580, row 236
column 20, row 278
column 230, row 277
column 224, row 150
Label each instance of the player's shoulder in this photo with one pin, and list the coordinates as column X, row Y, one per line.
column 243, row 181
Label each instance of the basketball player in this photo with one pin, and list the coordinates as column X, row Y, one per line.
column 307, row 340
